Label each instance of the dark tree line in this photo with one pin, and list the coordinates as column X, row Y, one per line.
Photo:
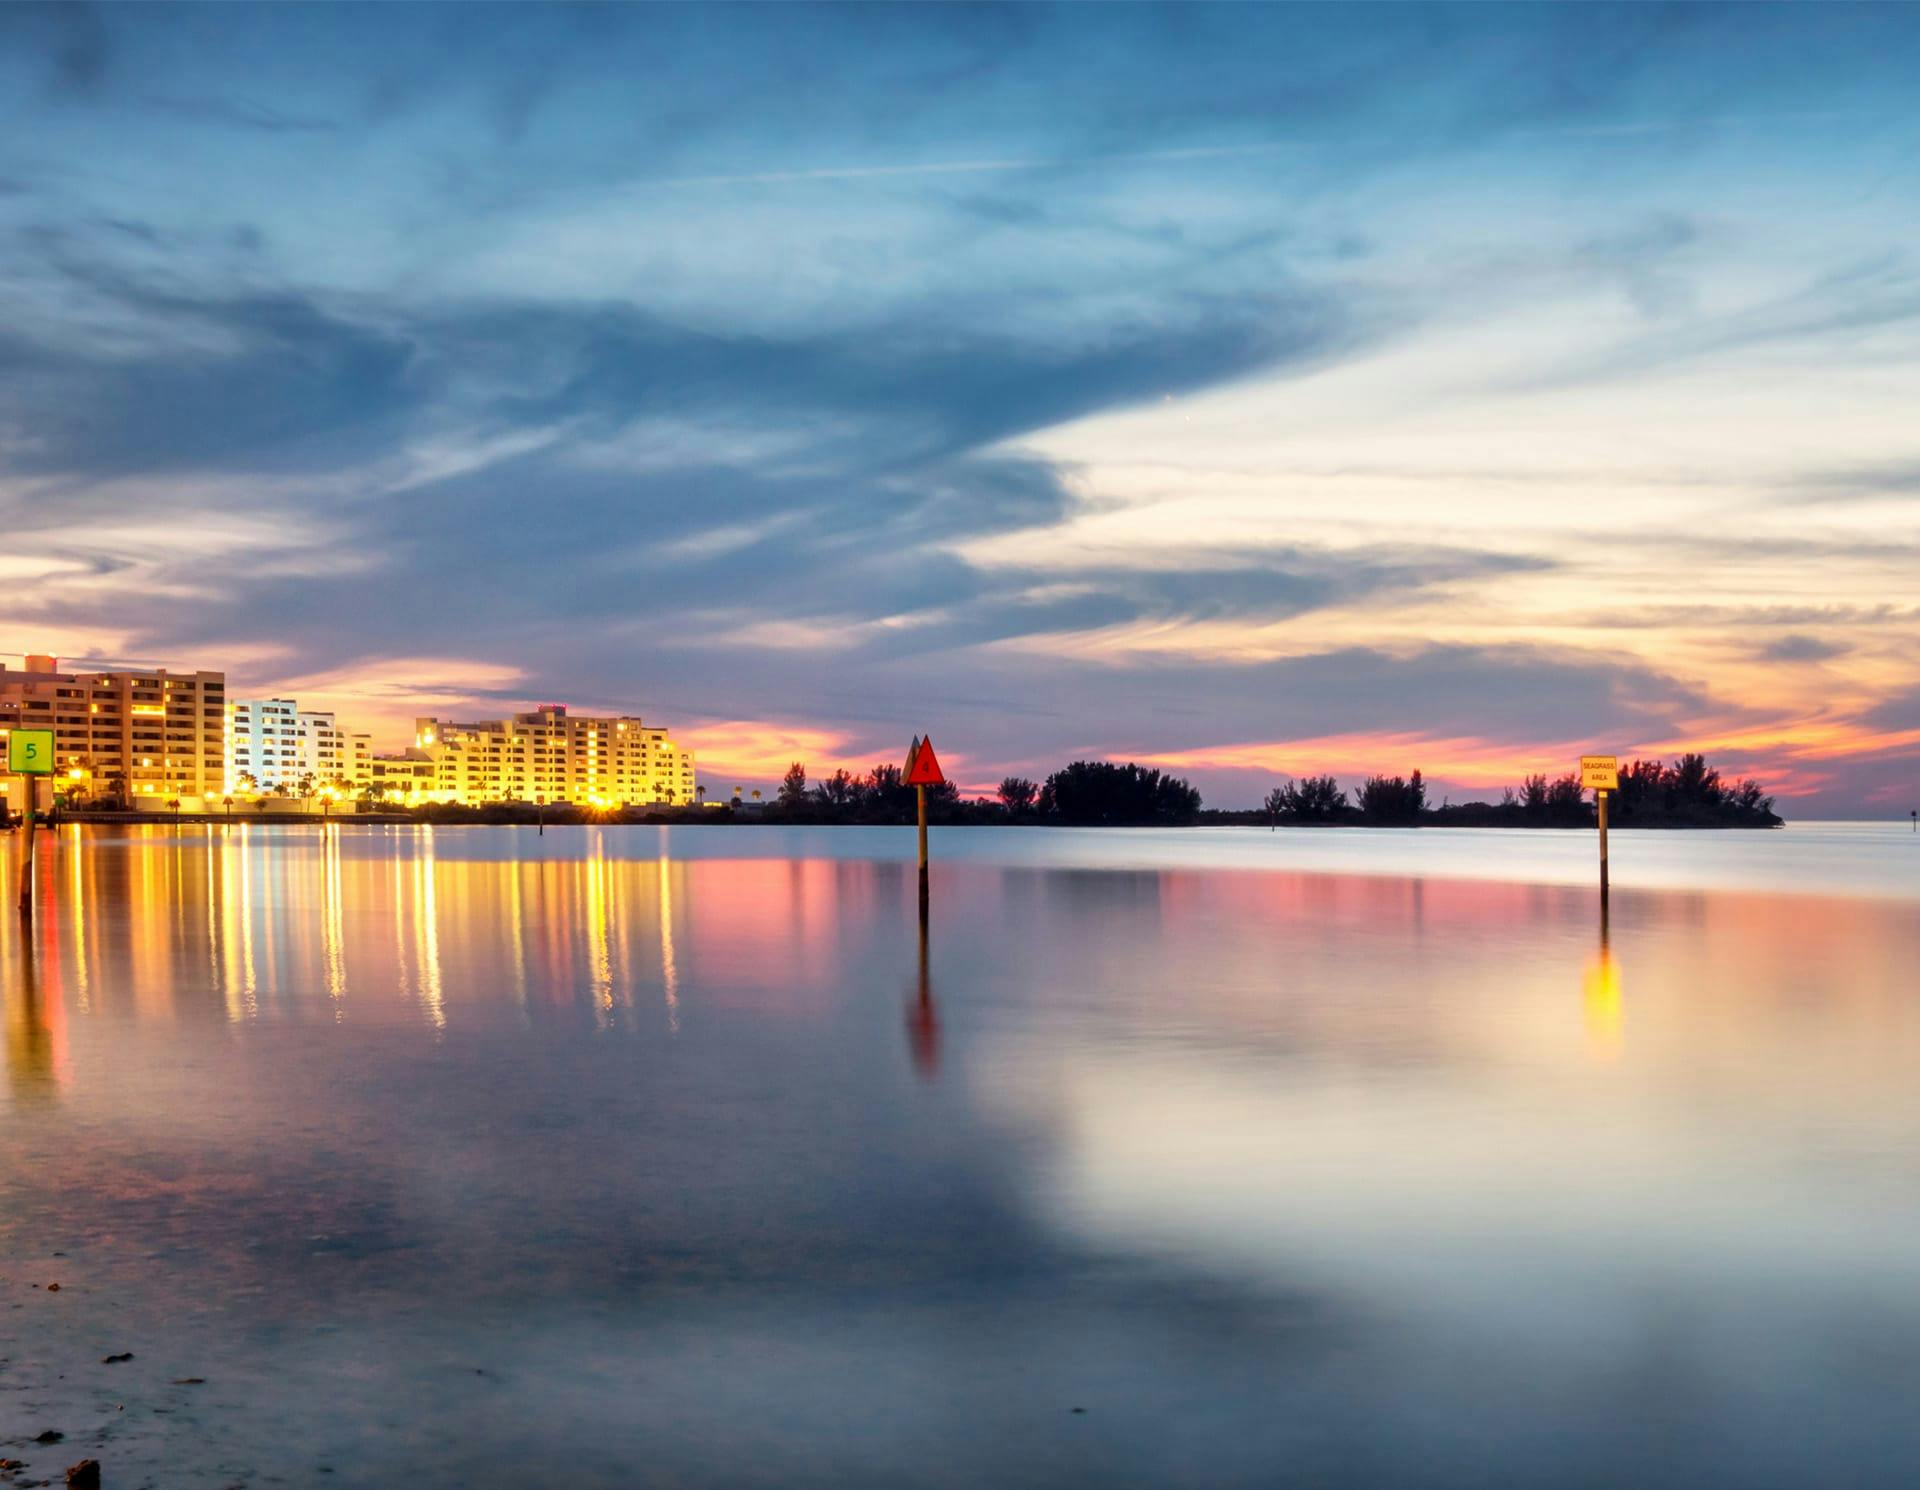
column 1086, row 793
column 877, row 797
column 1105, row 794
column 1688, row 791
column 1652, row 794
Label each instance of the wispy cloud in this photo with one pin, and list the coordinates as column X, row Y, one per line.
column 978, row 167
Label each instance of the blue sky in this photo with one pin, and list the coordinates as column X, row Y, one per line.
column 1256, row 390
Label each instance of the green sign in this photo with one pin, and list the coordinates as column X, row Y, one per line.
column 30, row 752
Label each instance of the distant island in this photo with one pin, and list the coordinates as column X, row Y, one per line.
column 1688, row 793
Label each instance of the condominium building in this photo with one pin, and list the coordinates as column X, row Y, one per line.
column 137, row 735
column 273, row 745
column 547, row 755
column 359, row 767
column 405, row 776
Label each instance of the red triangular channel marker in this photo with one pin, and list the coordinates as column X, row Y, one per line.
column 923, row 766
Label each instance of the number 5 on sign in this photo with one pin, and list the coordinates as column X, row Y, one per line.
column 30, row 752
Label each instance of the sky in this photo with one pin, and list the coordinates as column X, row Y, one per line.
column 1250, row 391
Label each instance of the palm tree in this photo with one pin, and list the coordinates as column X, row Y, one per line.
column 228, row 800
column 174, row 803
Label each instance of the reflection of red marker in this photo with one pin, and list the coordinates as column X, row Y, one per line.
column 923, row 1024
column 923, row 1036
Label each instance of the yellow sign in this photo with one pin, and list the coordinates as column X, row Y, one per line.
column 30, row 752
column 1600, row 772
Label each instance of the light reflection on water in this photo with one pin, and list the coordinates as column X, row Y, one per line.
column 487, row 1158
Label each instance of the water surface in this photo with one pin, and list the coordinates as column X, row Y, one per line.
column 472, row 1157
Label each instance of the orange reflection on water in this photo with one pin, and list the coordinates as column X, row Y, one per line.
column 1600, row 995
column 232, row 923
column 37, row 1065
column 243, row 920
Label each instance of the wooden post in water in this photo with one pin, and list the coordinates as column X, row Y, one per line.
column 29, row 755
column 1602, row 773
column 1602, row 794
column 922, row 771
column 26, row 864
column 920, row 793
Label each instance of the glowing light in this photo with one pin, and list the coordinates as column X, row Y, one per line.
column 1601, row 995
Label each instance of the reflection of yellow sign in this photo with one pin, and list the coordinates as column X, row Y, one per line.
column 1600, row 772
column 1601, row 990
column 30, row 752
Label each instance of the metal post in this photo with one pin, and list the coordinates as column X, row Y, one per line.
column 1603, row 847
column 921, row 793
column 26, row 867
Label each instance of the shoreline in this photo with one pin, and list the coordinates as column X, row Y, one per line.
column 494, row 817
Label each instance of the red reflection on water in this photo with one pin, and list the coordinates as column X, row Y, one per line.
column 923, row 1021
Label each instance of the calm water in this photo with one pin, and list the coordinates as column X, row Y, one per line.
column 467, row 1157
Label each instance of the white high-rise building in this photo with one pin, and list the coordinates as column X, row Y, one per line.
column 359, row 768
column 273, row 745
